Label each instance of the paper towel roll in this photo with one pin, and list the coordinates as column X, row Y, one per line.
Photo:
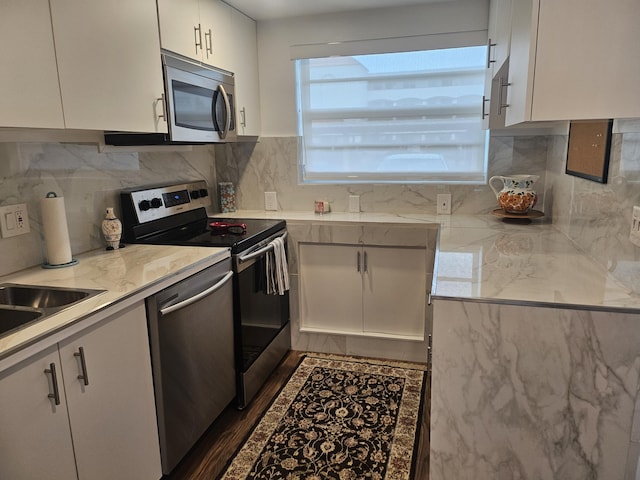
column 56, row 233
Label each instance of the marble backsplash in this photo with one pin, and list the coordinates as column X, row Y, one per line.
column 593, row 215
column 597, row 217
column 271, row 166
column 89, row 181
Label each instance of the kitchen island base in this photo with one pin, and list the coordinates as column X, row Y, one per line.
column 533, row 392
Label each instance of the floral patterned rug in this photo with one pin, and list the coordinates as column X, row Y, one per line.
column 337, row 418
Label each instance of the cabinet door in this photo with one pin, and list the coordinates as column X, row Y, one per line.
column 586, row 62
column 330, row 287
column 215, row 18
column 180, row 27
column 524, row 34
column 29, row 80
column 113, row 418
column 35, row 441
column 395, row 291
column 502, row 34
column 245, row 68
column 109, row 64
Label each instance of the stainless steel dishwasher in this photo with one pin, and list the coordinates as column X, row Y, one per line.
column 192, row 355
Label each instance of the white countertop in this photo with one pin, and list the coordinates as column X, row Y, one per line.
column 125, row 274
column 483, row 258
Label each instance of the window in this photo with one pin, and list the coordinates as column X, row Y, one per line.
column 406, row 117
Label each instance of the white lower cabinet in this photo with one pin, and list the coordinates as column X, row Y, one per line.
column 103, row 429
column 363, row 290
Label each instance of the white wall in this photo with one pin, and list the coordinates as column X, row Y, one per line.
column 275, row 37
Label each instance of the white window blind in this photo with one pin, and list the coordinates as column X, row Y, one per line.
column 393, row 117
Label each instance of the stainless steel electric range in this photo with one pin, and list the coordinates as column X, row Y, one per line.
column 176, row 214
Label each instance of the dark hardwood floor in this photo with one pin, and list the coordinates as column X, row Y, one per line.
column 209, row 457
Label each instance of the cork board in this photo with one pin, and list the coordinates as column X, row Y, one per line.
column 589, row 149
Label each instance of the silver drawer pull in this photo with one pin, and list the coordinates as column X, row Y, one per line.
column 84, row 376
column 54, row 380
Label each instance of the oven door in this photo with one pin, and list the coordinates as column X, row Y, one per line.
column 262, row 334
column 200, row 103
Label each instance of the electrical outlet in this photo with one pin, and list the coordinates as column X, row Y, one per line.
column 634, row 234
column 444, row 204
column 270, row 201
column 354, row 203
column 14, row 220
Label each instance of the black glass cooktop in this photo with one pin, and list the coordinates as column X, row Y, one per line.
column 200, row 233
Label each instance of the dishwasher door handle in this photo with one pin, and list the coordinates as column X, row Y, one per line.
column 199, row 296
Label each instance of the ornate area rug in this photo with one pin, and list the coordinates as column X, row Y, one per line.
column 337, row 418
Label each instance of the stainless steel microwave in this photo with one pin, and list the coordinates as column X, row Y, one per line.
column 198, row 106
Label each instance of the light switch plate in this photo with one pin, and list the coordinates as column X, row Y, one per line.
column 444, row 204
column 14, row 220
column 270, row 201
column 354, row 203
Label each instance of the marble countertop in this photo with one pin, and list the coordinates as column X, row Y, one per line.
column 130, row 273
column 483, row 258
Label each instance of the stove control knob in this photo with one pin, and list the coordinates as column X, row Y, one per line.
column 195, row 194
column 144, row 205
column 203, row 192
column 156, row 203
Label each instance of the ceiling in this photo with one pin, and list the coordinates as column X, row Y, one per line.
column 271, row 9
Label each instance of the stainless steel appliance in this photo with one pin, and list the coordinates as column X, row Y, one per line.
column 176, row 215
column 192, row 357
column 198, row 106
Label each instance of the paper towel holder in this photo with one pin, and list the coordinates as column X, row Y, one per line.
column 61, row 265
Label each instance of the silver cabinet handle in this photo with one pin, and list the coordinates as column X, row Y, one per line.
column 243, row 117
column 484, row 110
column 489, row 61
column 84, row 376
column 54, row 380
column 199, row 296
column 358, row 262
column 208, row 46
column 502, row 105
column 197, row 33
column 429, row 351
column 366, row 268
column 164, row 108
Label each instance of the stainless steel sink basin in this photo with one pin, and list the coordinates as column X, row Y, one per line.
column 21, row 305
column 40, row 297
column 14, row 318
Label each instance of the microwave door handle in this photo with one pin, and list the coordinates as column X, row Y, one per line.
column 227, row 108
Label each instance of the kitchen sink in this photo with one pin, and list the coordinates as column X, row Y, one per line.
column 21, row 305
column 41, row 297
column 13, row 318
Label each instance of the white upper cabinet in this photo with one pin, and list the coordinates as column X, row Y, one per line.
column 29, row 81
column 500, row 31
column 215, row 21
column 180, row 27
column 244, row 48
column 573, row 60
column 197, row 29
column 109, row 64
column 497, row 53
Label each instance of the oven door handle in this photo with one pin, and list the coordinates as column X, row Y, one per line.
column 257, row 253
column 199, row 296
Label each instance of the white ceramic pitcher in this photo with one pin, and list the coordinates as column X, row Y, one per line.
column 517, row 194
